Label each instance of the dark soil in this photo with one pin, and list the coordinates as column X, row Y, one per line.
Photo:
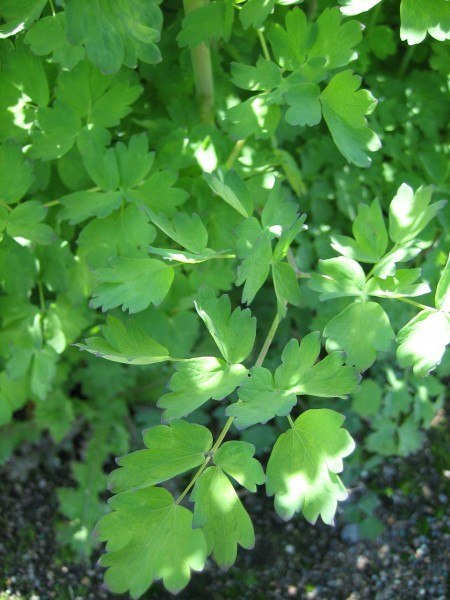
column 410, row 560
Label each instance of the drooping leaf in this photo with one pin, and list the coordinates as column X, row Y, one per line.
column 125, row 343
column 236, row 459
column 221, row 516
column 442, row 298
column 234, row 333
column 303, row 464
column 131, row 561
column 255, row 268
column 423, row 340
column 410, row 212
column 344, row 109
column 370, row 235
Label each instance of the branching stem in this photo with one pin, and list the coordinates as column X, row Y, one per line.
column 223, row 433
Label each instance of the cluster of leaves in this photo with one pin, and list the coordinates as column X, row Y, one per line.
column 119, row 192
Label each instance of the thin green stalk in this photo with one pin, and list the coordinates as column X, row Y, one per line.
column 413, row 303
column 202, row 68
column 41, row 295
column 291, row 422
column 234, row 154
column 263, row 43
column 223, row 433
column 52, row 7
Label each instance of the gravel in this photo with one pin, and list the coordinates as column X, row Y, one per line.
column 409, row 560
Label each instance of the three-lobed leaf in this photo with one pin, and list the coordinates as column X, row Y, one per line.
column 303, row 466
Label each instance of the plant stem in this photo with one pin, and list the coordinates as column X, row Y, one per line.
column 413, row 303
column 291, row 422
column 223, row 433
column 202, row 67
column 52, row 7
column 234, row 154
column 263, row 43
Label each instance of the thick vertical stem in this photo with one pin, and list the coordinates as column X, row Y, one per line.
column 202, row 67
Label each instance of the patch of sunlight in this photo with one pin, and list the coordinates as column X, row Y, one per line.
column 205, row 154
column 18, row 111
column 22, row 241
column 81, row 535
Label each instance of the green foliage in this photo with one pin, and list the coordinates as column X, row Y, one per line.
column 171, row 183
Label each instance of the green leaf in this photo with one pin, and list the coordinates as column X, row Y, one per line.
column 58, row 128
column 255, row 116
column 400, row 284
column 264, row 76
column 326, row 44
column 234, row 333
column 221, row 516
column 189, row 258
column 236, row 459
column 304, row 105
column 187, row 230
column 15, row 173
column 55, row 414
column 48, row 36
column 338, row 278
column 410, row 438
column 344, row 109
column 369, row 231
column 230, row 187
column 361, row 330
column 196, row 382
column 419, row 18
column 210, row 22
column 134, row 160
column 172, row 450
column 132, row 283
column 260, row 400
column 410, row 212
column 442, row 299
column 79, row 206
column 255, row 268
column 355, row 7
column 367, row 400
column 123, row 233
column 255, row 12
column 422, row 341
column 299, row 374
column 19, row 15
column 303, row 464
column 25, row 222
column 13, row 396
column 125, row 344
column 115, row 34
column 43, row 371
column 286, row 286
column 102, row 101
column 133, row 563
